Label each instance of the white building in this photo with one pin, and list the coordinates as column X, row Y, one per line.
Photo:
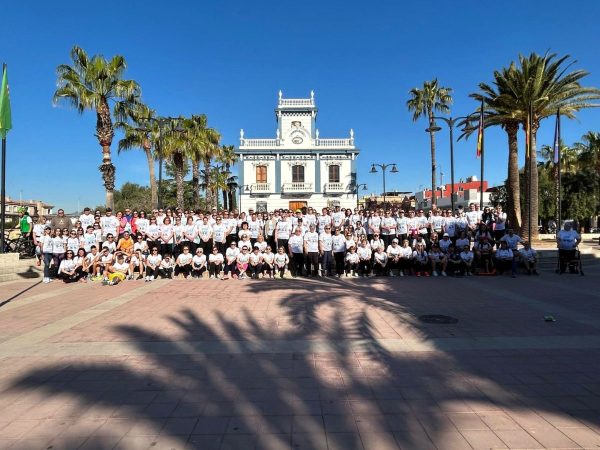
column 297, row 168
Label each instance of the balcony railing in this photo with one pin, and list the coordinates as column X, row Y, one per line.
column 274, row 143
column 296, row 102
column 334, row 187
column 259, row 188
column 297, row 187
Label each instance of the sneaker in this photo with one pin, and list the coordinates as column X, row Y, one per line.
column 426, row 274
column 211, row 277
column 151, row 277
column 401, row 273
column 46, row 280
column 392, row 274
column 535, row 272
column 444, row 273
column 418, row 274
column 434, row 273
column 354, row 275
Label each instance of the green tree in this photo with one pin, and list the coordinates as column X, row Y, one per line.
column 91, row 83
column 424, row 103
column 133, row 196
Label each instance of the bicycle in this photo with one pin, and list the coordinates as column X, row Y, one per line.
column 21, row 245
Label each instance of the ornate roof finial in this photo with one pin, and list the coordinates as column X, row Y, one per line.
column 278, row 133
column 280, row 94
column 241, row 133
column 317, row 133
column 351, row 133
column 312, row 95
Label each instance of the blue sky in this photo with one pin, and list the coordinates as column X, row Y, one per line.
column 228, row 59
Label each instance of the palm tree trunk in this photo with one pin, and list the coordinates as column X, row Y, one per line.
column 153, row 186
column 105, row 134
column 179, row 163
column 207, row 191
column 533, row 193
column 433, row 163
column 514, row 189
column 195, row 184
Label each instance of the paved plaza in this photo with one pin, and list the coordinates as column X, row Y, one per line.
column 301, row 364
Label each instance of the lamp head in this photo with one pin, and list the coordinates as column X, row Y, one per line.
column 364, row 187
column 394, row 169
column 373, row 169
column 434, row 128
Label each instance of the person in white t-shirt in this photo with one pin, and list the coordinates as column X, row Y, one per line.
column 421, row 261
column 199, row 264
column 380, row 260
column 231, row 255
column 504, row 259
column 393, row 251
column 166, row 265
column 311, row 249
column 528, row 257
column 255, row 263
column 567, row 241
column 68, row 270
column 467, row 258
column 364, row 257
column 352, row 260
column 136, row 264
column 512, row 240
column 183, row 263
column 281, row 261
column 438, row 261
column 215, row 263
column 268, row 262
column 153, row 264
column 296, row 252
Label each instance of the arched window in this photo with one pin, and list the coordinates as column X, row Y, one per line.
column 334, row 173
column 261, row 174
column 298, row 174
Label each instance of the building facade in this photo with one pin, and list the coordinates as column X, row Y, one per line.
column 297, row 168
column 465, row 192
column 34, row 207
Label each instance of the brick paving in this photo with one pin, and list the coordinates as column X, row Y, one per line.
column 301, row 364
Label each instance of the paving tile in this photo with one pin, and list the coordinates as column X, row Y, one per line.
column 467, row 421
column 205, row 442
column 136, row 443
column 413, row 439
column 582, row 436
column 309, row 441
column 211, row 425
column 273, row 442
column 339, row 424
column 238, row 441
column 518, row 439
column 552, row 438
column 379, row 441
column 483, row 439
column 344, row 441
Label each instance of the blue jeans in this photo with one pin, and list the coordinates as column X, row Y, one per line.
column 326, row 262
column 47, row 260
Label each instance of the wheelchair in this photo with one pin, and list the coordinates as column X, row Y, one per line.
column 569, row 261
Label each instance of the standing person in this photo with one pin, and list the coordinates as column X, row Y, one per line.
column 87, row 218
column 25, row 223
column 296, row 251
column 388, row 228
column 393, row 252
column 311, row 248
column 339, row 251
column 166, row 237
column 199, row 264
column 215, row 263
column 38, row 234
column 323, row 220
column 402, row 226
column 142, row 223
column 46, row 244
column 282, row 232
column 499, row 224
column 183, row 263
column 179, row 237
column 269, row 229
column 254, row 226
column 153, row 234
column 326, row 251
column 109, row 224
column 205, row 233
column 61, row 221
column 219, row 234
column 450, row 224
column 364, row 257
column 374, row 224
column 472, row 219
column 190, row 235
column 437, row 224
column 58, row 248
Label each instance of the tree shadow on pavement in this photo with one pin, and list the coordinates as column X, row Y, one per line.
column 315, row 377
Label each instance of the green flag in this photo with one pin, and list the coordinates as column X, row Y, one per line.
column 5, row 117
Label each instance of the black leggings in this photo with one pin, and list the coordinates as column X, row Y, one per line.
column 198, row 271
column 254, row 271
column 150, row 272
column 312, row 263
column 364, row 266
column 186, row 269
column 339, row 262
column 214, row 269
column 351, row 267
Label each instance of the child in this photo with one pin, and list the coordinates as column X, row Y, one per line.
column 364, row 258
column 116, row 272
column 438, row 261
column 351, row 262
column 281, row 261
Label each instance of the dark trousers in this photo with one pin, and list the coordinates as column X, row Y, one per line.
column 186, row 269
column 351, row 267
column 297, row 264
column 47, row 261
column 312, row 263
column 364, row 266
column 327, row 262
column 166, row 273
column 254, row 271
column 150, row 272
column 339, row 262
column 206, row 246
column 214, row 269
column 282, row 243
column 564, row 257
column 198, row 271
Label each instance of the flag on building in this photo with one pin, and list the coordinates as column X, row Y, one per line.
column 5, row 117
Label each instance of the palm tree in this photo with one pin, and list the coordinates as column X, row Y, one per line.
column 91, row 83
column 423, row 103
column 174, row 141
column 501, row 109
column 142, row 133
column 228, row 158
column 542, row 84
column 201, row 144
column 569, row 157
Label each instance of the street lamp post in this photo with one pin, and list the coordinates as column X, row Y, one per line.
column 450, row 121
column 358, row 186
column 245, row 188
column 383, row 168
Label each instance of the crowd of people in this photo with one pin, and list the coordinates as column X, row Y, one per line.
column 283, row 243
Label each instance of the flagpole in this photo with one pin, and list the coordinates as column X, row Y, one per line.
column 3, row 189
column 558, row 194
column 529, row 172
column 482, row 157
